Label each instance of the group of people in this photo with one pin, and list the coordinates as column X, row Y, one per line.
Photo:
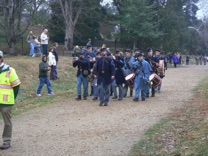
column 106, row 72
column 34, row 43
column 200, row 59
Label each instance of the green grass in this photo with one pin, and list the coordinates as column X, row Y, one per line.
column 27, row 69
column 184, row 133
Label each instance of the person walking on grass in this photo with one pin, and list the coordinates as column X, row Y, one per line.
column 9, row 88
column 43, row 77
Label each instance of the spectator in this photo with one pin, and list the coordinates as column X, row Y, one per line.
column 37, row 46
column 44, row 41
column 43, row 77
column 51, row 63
column 55, row 53
column 30, row 38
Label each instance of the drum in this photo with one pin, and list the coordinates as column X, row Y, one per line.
column 161, row 69
column 155, row 79
column 130, row 79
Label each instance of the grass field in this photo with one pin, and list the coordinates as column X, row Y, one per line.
column 27, row 69
column 183, row 133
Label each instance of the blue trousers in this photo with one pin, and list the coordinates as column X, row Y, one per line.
column 152, row 90
column 104, row 92
column 120, row 89
column 95, row 88
column 44, row 80
column 138, row 89
column 37, row 49
column 45, row 49
column 31, row 49
column 55, row 70
column 82, row 80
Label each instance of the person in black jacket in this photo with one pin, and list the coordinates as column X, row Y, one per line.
column 119, row 75
column 83, row 71
column 43, row 77
column 55, row 53
column 105, row 70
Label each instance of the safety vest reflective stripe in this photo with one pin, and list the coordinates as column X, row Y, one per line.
column 8, row 73
column 5, row 86
column 5, row 98
column 15, row 82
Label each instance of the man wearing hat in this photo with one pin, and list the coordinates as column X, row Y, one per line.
column 154, row 65
column 105, row 70
column 159, row 57
column 128, row 62
column 119, row 76
column 91, row 58
column 136, row 53
column 9, row 87
column 142, row 72
column 83, row 71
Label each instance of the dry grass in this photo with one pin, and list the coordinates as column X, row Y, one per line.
column 27, row 69
column 183, row 133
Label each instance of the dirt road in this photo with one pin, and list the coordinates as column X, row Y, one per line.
column 85, row 129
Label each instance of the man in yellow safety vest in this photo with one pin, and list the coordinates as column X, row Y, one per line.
column 9, row 87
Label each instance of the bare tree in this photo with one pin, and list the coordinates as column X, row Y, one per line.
column 71, row 11
column 16, row 17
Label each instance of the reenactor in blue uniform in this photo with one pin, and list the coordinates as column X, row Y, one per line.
column 119, row 76
column 83, row 71
column 159, row 57
column 128, row 62
column 142, row 71
column 94, row 74
column 105, row 70
column 153, row 63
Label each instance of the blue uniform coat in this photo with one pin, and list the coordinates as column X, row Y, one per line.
column 105, row 68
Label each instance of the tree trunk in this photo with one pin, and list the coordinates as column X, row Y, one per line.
column 12, row 48
column 68, row 44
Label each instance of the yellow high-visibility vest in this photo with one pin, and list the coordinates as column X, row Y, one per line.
column 8, row 80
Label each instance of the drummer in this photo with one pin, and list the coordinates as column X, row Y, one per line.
column 159, row 57
column 128, row 61
column 152, row 61
column 142, row 72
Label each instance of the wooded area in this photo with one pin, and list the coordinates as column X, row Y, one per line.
column 170, row 25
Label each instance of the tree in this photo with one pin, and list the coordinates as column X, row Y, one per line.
column 77, row 25
column 16, row 17
column 137, row 21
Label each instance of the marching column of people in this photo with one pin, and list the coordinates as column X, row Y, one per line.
column 106, row 71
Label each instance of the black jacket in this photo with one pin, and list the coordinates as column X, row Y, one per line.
column 82, row 64
column 43, row 68
column 55, row 53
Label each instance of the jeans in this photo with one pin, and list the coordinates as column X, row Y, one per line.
column 44, row 80
column 55, row 73
column 82, row 80
column 31, row 49
column 37, row 49
column 104, row 92
column 45, row 49
column 95, row 88
column 120, row 88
